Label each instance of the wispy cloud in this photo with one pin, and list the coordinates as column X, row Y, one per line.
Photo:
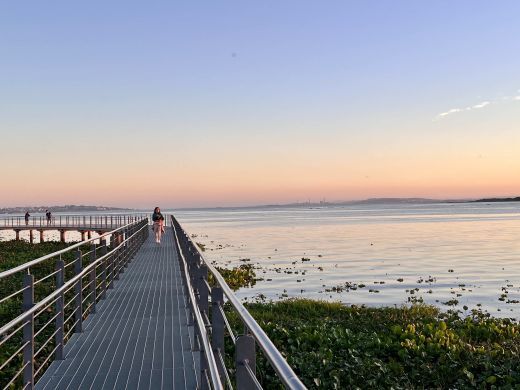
column 452, row 111
column 476, row 106
column 480, row 105
column 455, row 110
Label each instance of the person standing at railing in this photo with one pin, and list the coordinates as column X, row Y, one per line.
column 49, row 216
column 27, row 215
column 158, row 224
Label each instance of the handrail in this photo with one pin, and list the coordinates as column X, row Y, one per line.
column 63, row 288
column 57, row 292
column 285, row 372
column 68, row 221
column 31, row 263
column 212, row 364
column 273, row 355
column 7, row 217
column 67, row 317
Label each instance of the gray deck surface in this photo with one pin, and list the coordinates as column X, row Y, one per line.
column 138, row 338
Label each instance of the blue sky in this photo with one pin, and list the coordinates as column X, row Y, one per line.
column 252, row 86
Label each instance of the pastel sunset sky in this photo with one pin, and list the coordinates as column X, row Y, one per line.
column 212, row 103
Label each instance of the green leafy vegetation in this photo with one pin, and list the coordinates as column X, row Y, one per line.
column 330, row 345
column 243, row 275
column 12, row 254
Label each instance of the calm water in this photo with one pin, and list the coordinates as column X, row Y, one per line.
column 461, row 254
column 450, row 255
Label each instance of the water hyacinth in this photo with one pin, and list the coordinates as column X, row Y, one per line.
column 331, row 345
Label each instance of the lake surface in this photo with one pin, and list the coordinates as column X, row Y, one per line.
column 450, row 255
column 461, row 256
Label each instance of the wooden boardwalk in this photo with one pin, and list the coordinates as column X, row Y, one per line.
column 139, row 337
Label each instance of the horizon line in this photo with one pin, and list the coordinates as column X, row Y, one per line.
column 297, row 203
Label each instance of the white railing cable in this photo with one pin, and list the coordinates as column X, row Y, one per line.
column 54, row 254
column 208, row 351
column 66, row 286
column 273, row 355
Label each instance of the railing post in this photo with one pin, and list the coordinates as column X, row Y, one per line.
column 103, row 269
column 60, row 311
column 196, row 338
column 202, row 299
column 126, row 258
column 191, row 315
column 217, row 327
column 111, row 265
column 245, row 356
column 146, row 231
column 190, row 282
column 28, row 332
column 130, row 245
column 192, row 268
column 203, row 289
column 78, row 289
column 204, row 368
column 93, row 279
column 189, row 265
column 117, row 255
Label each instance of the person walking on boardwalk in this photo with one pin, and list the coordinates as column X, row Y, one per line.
column 158, row 224
column 27, row 215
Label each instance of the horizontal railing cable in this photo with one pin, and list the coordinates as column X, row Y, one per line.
column 67, row 286
column 12, row 295
column 32, row 263
column 5, row 338
column 64, row 305
column 211, row 362
column 284, row 372
column 252, row 375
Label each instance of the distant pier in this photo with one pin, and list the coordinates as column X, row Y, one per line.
column 83, row 224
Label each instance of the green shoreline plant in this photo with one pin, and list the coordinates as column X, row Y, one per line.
column 241, row 276
column 12, row 254
column 330, row 345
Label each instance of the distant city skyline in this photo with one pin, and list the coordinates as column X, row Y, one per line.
column 133, row 104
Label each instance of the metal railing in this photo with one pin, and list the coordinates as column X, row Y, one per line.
column 211, row 325
column 91, row 222
column 67, row 285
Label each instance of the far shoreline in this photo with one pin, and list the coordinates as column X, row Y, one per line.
column 367, row 202
column 321, row 204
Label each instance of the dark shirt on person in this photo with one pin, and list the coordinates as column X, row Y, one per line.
column 156, row 217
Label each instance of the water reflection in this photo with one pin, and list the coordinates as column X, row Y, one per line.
column 450, row 255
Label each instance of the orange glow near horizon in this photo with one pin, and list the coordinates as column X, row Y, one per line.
column 231, row 183
column 453, row 158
